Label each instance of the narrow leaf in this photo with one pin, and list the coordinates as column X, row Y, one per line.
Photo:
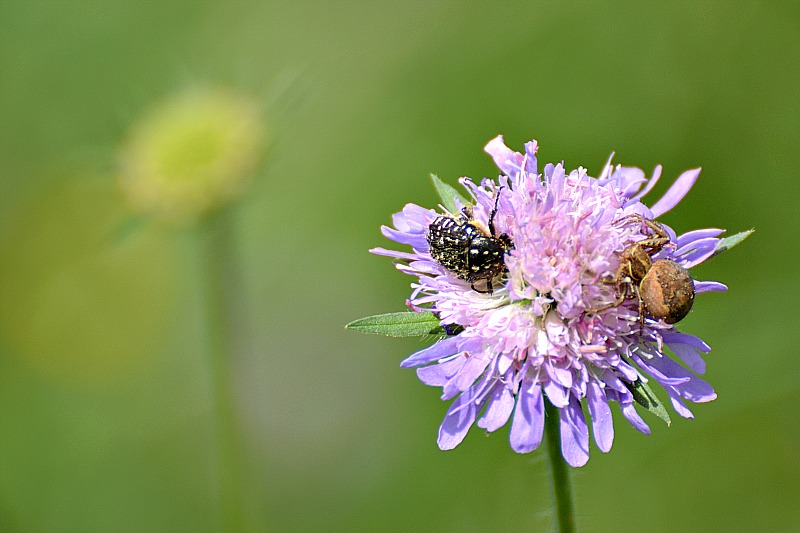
column 644, row 396
column 729, row 242
column 403, row 324
column 447, row 194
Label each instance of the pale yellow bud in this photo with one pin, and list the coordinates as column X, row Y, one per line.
column 192, row 154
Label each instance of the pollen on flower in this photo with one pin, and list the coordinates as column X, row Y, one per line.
column 566, row 321
column 192, row 154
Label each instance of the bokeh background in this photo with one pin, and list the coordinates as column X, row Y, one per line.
column 109, row 419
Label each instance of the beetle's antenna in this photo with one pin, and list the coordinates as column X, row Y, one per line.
column 494, row 211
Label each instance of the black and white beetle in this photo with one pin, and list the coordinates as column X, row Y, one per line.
column 469, row 249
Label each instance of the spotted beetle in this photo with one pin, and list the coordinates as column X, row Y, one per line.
column 469, row 249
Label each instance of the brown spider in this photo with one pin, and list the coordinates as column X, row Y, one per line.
column 665, row 289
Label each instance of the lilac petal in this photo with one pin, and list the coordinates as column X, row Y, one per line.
column 562, row 376
column 678, row 404
column 421, row 265
column 613, row 382
column 685, row 338
column 457, row 421
column 506, row 159
column 695, row 257
column 707, row 243
column 443, row 348
column 602, row 423
column 690, row 356
column 695, row 235
column 630, row 180
column 557, row 395
column 676, row 192
column 649, row 366
column 574, row 434
column 531, row 164
column 469, row 373
column 630, row 414
column 528, row 423
column 606, row 172
column 628, row 372
column 413, row 218
column 709, row 286
column 393, row 253
column 499, row 408
column 504, row 362
column 415, row 240
column 693, row 389
column 438, row 375
column 651, row 183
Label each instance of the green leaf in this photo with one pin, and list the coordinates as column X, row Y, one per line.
column 447, row 194
column 644, row 396
column 404, row 324
column 729, row 242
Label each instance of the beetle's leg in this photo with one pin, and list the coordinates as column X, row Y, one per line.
column 489, row 288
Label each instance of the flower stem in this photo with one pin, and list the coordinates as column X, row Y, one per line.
column 222, row 288
column 562, row 491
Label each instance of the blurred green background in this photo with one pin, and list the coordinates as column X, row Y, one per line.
column 108, row 417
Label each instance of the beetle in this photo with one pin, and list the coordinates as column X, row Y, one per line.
column 665, row 289
column 467, row 248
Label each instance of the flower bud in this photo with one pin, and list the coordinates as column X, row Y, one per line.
column 192, row 154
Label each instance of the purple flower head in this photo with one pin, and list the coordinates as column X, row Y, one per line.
column 559, row 326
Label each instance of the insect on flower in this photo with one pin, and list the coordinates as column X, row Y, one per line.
column 665, row 289
column 467, row 248
column 558, row 332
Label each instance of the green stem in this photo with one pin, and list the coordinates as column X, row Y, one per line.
column 562, row 491
column 222, row 279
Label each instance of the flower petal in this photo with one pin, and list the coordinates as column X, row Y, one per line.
column 630, row 414
column 693, row 388
column 690, row 356
column 438, row 375
column 457, row 421
column 709, row 286
column 602, row 423
column 651, row 182
column 499, row 408
column 676, row 192
column 691, row 236
column 630, row 180
column 466, row 376
column 443, row 348
column 705, row 244
column 528, row 423
column 684, row 338
column 506, row 159
column 531, row 164
column 574, row 434
column 557, row 395
column 393, row 253
column 678, row 404
column 415, row 240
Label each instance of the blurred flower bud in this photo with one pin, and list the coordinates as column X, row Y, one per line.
column 192, row 154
